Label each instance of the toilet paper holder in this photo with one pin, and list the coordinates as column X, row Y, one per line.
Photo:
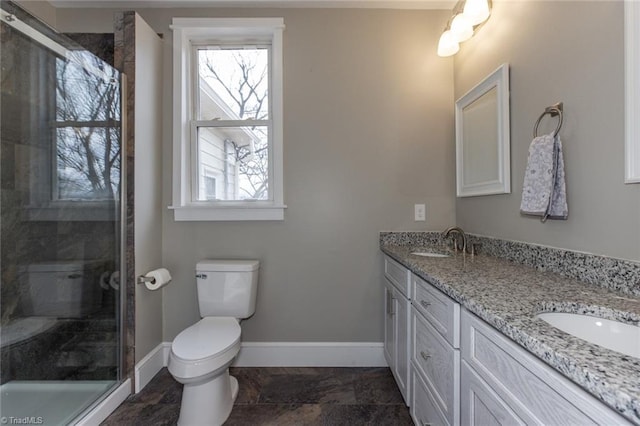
column 142, row 279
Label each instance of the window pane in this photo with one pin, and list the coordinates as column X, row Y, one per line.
column 88, row 163
column 233, row 163
column 233, row 84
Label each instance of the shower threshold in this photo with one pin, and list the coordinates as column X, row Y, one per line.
column 48, row 402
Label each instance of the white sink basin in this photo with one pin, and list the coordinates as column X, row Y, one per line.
column 429, row 254
column 614, row 335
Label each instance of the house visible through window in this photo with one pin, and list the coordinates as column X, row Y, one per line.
column 228, row 119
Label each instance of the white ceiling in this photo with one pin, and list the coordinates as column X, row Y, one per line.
column 137, row 4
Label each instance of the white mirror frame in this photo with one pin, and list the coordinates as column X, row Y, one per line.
column 632, row 91
column 499, row 79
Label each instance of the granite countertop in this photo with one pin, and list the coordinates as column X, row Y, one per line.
column 507, row 295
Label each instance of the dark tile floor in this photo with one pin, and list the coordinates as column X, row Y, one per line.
column 282, row 396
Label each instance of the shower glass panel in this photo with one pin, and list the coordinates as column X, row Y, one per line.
column 60, row 224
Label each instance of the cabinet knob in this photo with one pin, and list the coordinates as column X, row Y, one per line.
column 425, row 355
column 425, row 304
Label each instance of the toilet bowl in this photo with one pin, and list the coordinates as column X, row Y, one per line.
column 200, row 357
column 201, row 354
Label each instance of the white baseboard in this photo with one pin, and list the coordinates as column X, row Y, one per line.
column 151, row 364
column 107, row 406
column 311, row 354
column 277, row 354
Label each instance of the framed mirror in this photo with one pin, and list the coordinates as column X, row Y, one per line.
column 632, row 91
column 482, row 137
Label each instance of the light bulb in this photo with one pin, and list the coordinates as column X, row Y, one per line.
column 448, row 45
column 461, row 28
column 476, row 11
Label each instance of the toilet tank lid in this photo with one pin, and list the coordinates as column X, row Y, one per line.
column 231, row 265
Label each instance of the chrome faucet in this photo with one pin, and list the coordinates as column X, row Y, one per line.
column 460, row 234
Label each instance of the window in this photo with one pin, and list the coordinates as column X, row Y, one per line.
column 227, row 161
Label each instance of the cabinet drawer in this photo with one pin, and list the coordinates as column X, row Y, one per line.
column 441, row 311
column 424, row 410
column 398, row 275
column 534, row 391
column 438, row 364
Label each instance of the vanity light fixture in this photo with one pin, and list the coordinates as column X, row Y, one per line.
column 467, row 17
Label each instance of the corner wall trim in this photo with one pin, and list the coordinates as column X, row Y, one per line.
column 311, row 354
column 150, row 365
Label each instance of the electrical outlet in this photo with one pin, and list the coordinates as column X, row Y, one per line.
column 420, row 212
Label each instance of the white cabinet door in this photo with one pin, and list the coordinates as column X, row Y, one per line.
column 482, row 406
column 403, row 308
column 396, row 336
column 390, row 339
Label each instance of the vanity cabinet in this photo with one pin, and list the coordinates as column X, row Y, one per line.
column 453, row 368
column 502, row 384
column 435, row 356
column 396, row 323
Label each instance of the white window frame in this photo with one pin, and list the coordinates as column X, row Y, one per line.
column 188, row 32
column 632, row 91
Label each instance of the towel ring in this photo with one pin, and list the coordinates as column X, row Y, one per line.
column 553, row 111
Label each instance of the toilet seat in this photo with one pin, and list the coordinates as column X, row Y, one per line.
column 203, row 348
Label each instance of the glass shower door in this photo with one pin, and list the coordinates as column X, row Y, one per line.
column 60, row 224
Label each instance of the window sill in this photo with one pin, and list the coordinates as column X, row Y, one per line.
column 228, row 213
column 73, row 211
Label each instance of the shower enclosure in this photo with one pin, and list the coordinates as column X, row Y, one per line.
column 61, row 178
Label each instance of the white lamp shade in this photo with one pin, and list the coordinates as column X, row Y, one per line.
column 448, row 45
column 476, row 11
column 461, row 28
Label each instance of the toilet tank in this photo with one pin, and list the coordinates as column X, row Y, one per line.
column 63, row 289
column 227, row 288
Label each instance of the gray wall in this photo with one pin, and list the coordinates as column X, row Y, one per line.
column 570, row 52
column 148, row 183
column 368, row 131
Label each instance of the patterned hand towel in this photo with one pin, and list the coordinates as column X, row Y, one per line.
column 544, row 191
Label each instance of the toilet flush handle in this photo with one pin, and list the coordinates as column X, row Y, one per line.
column 201, row 276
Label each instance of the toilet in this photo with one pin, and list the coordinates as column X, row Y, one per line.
column 201, row 355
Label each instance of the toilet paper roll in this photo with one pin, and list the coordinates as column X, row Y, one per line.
column 104, row 280
column 114, row 280
column 161, row 278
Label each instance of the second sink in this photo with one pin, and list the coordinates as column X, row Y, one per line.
column 614, row 335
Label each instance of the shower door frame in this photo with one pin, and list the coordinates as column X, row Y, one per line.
column 123, row 373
